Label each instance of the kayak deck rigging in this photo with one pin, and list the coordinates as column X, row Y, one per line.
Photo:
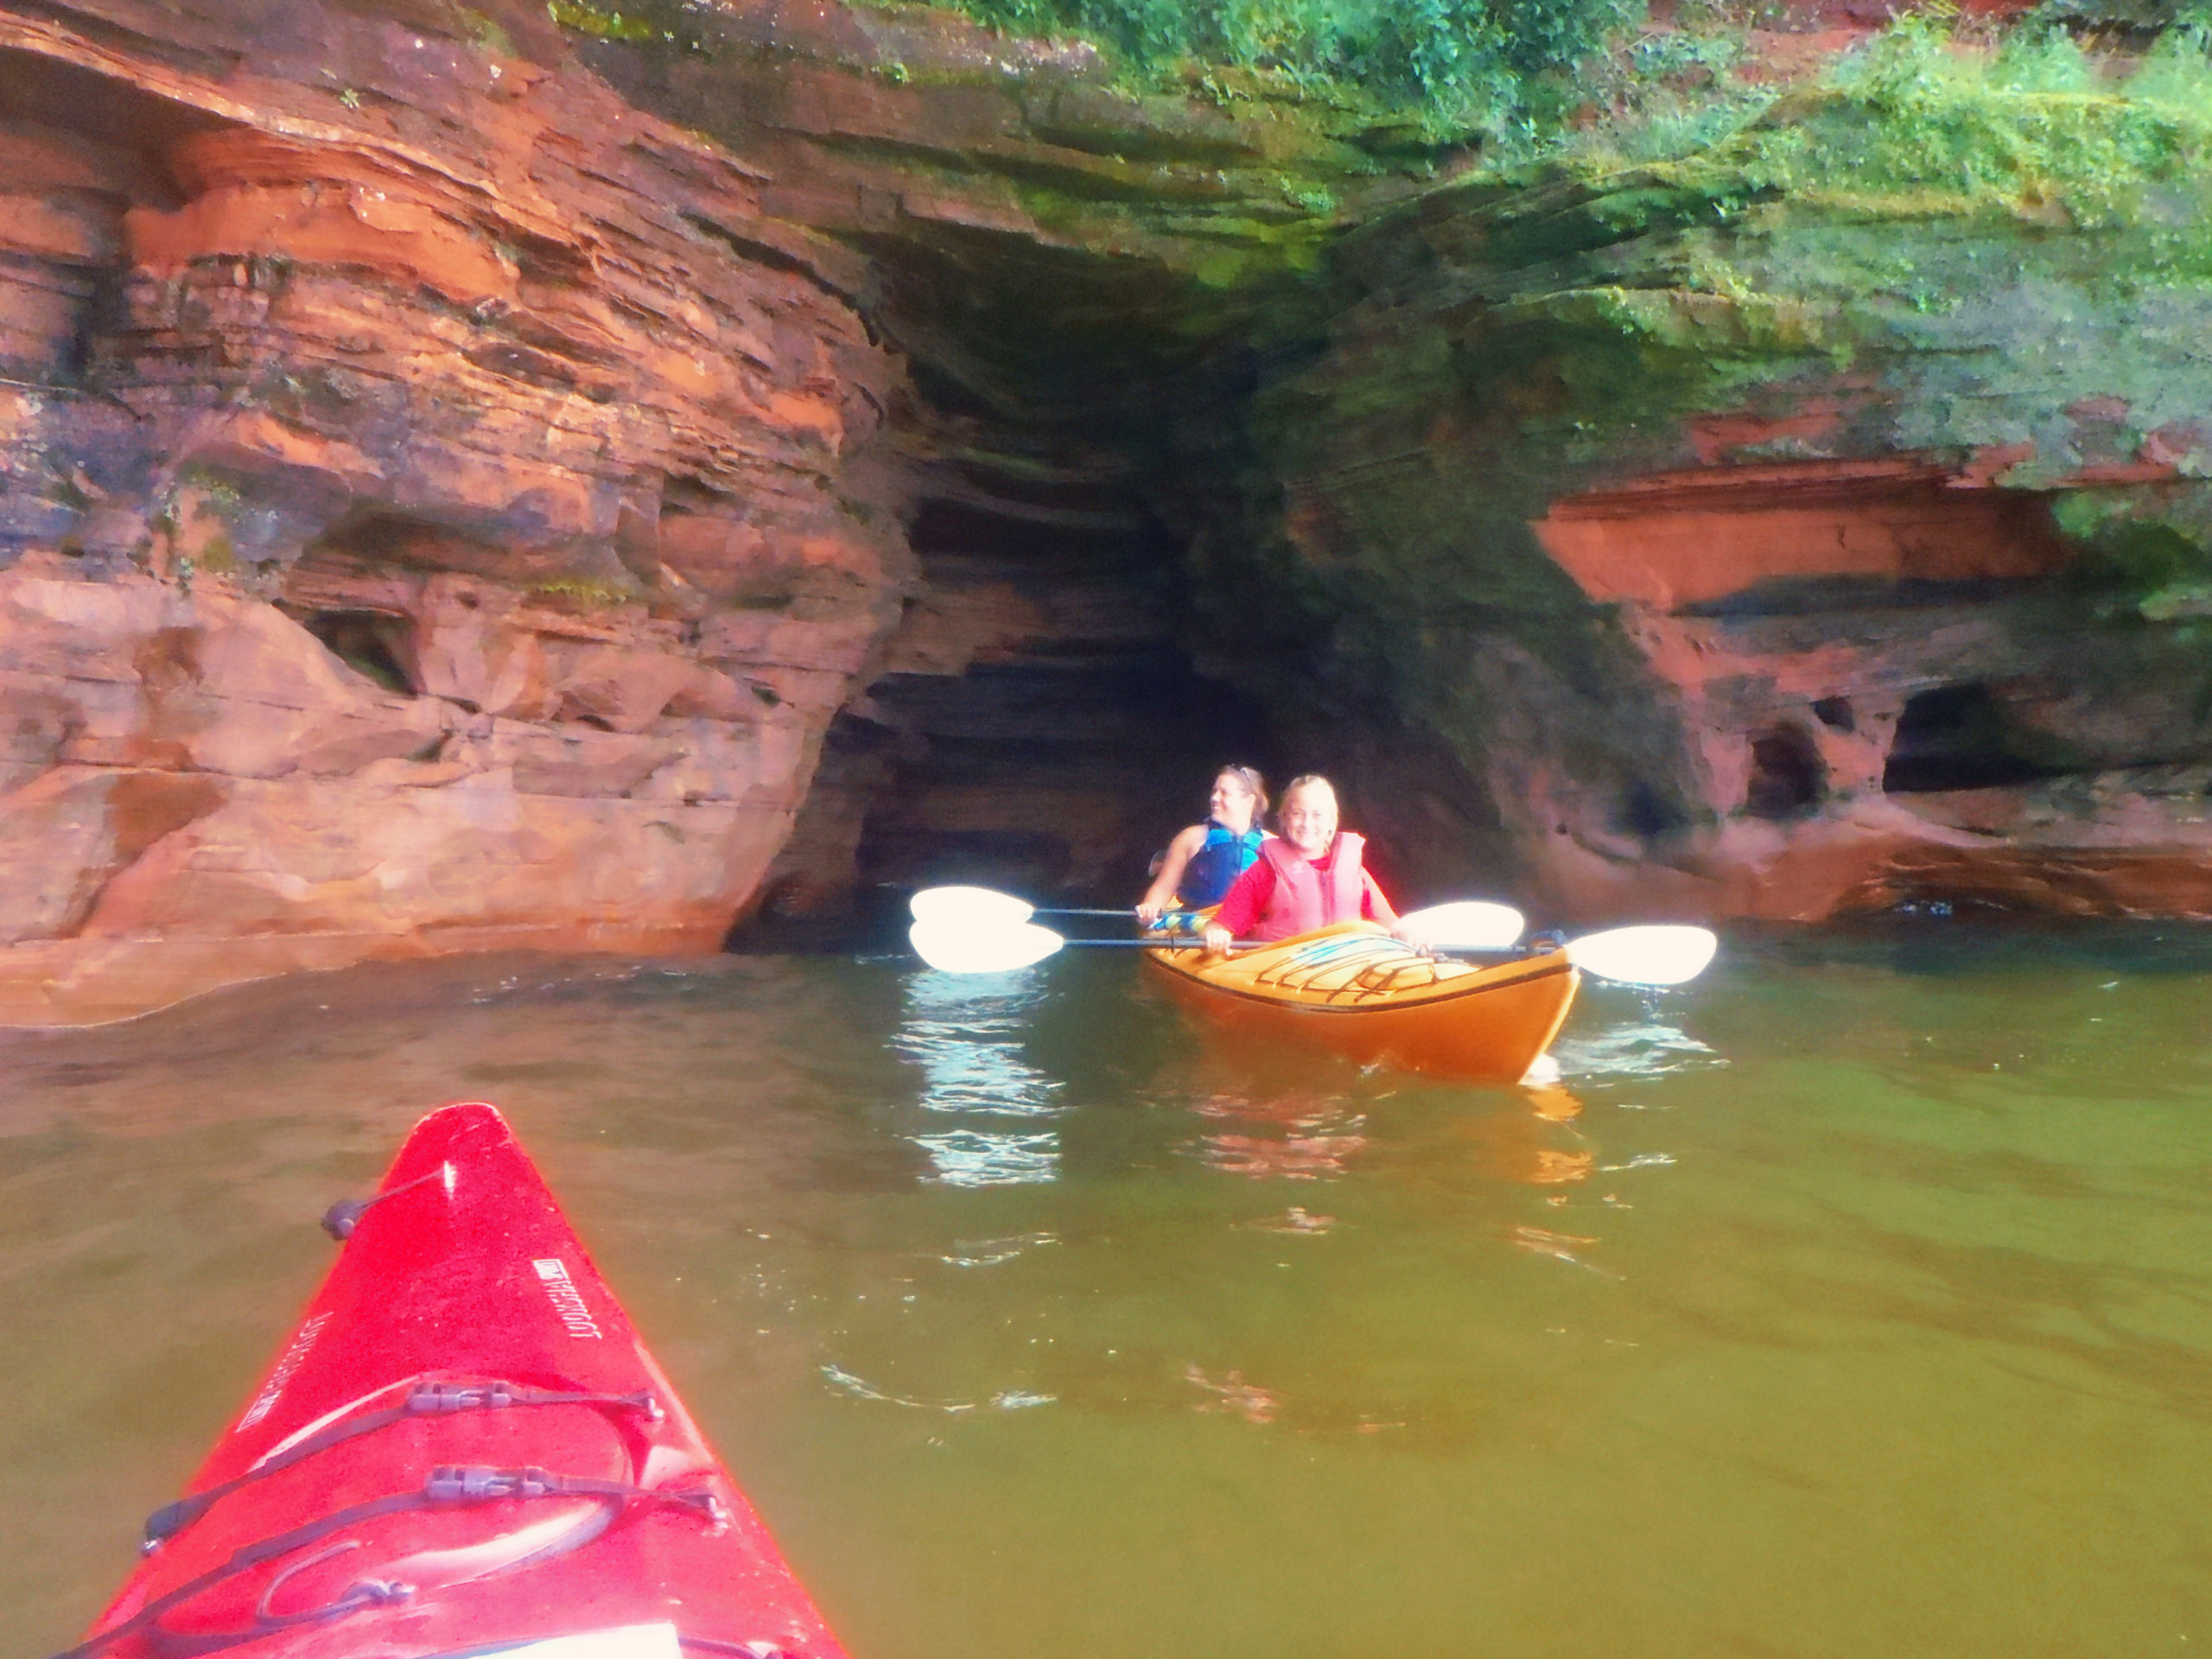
column 427, row 1398
column 1359, row 968
column 446, row 1486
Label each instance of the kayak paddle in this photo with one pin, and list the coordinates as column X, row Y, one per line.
column 973, row 906
column 953, row 947
column 1652, row 956
column 969, row 907
column 1469, row 924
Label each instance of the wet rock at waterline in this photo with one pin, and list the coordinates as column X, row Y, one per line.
column 467, row 484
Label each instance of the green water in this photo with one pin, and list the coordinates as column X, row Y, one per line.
column 1856, row 1301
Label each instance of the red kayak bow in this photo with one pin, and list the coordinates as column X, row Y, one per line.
column 463, row 1449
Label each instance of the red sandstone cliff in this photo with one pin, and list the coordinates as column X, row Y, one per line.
column 1879, row 702
column 434, row 496
column 443, row 503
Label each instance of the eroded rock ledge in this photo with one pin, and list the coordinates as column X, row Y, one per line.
column 466, row 487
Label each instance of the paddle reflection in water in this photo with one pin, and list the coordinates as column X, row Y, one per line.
column 966, row 1035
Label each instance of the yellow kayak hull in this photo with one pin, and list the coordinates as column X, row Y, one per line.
column 1354, row 991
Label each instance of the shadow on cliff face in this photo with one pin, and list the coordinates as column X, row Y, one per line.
column 82, row 151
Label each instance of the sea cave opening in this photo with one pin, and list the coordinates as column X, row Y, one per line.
column 1039, row 724
column 1957, row 737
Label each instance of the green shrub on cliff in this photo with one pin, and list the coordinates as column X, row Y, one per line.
column 2033, row 124
column 1575, row 78
column 1462, row 64
column 2131, row 14
column 1913, row 125
column 2146, row 550
column 639, row 24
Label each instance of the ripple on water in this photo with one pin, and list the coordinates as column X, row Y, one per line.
column 1005, row 1400
column 994, row 1252
column 1648, row 1047
column 990, row 1157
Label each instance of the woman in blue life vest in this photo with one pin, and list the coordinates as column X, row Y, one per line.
column 1204, row 861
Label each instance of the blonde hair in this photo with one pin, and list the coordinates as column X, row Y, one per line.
column 1304, row 780
column 1251, row 779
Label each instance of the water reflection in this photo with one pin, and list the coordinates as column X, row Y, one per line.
column 992, row 1252
column 1885, row 1290
column 1296, row 1221
column 1569, row 1248
column 1272, row 1132
column 1233, row 1394
column 1553, row 1103
column 1517, row 1140
column 1299, row 1137
column 966, row 1035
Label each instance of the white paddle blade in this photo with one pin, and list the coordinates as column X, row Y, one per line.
column 958, row 950
column 969, row 907
column 1644, row 956
column 1469, row 924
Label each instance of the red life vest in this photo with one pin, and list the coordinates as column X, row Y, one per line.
column 1305, row 898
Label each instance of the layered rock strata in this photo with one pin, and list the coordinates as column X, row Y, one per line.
column 459, row 469
column 435, row 503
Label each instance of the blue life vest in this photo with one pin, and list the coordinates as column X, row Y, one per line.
column 1213, row 869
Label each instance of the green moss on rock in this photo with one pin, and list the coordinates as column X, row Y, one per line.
column 1998, row 259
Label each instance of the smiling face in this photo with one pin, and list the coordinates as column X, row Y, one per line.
column 1308, row 818
column 1232, row 803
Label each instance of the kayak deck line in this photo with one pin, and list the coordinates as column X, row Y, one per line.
column 1309, row 971
column 445, row 1487
column 343, row 1216
column 463, row 1403
column 427, row 1398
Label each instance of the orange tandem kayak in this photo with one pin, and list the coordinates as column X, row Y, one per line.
column 1353, row 990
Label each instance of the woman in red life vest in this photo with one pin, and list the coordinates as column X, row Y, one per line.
column 1203, row 863
column 1307, row 877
